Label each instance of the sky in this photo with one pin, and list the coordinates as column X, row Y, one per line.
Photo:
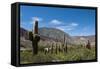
column 75, row 22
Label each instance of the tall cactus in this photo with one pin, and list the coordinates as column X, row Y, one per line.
column 64, row 39
column 52, row 48
column 34, row 37
column 59, row 48
column 66, row 47
column 88, row 45
column 35, row 27
column 56, row 48
column 65, row 44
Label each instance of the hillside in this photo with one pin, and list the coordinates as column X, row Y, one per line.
column 83, row 39
column 52, row 34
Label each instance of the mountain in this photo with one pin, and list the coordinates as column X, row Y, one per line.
column 48, row 34
column 53, row 34
column 84, row 39
column 24, row 33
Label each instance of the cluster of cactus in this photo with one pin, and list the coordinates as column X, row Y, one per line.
column 34, row 37
column 64, row 46
column 56, row 48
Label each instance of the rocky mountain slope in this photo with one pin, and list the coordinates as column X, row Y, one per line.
column 52, row 34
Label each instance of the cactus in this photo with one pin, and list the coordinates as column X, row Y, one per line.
column 52, row 48
column 31, row 36
column 88, row 45
column 66, row 47
column 34, row 37
column 59, row 48
column 56, row 48
column 64, row 39
column 63, row 43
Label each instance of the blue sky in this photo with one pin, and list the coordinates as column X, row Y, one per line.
column 73, row 21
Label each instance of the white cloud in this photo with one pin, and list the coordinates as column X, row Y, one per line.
column 56, row 22
column 61, row 28
column 68, row 27
column 73, row 24
column 65, row 28
column 37, row 18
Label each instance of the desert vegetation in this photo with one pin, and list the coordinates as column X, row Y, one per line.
column 36, row 49
column 74, row 53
